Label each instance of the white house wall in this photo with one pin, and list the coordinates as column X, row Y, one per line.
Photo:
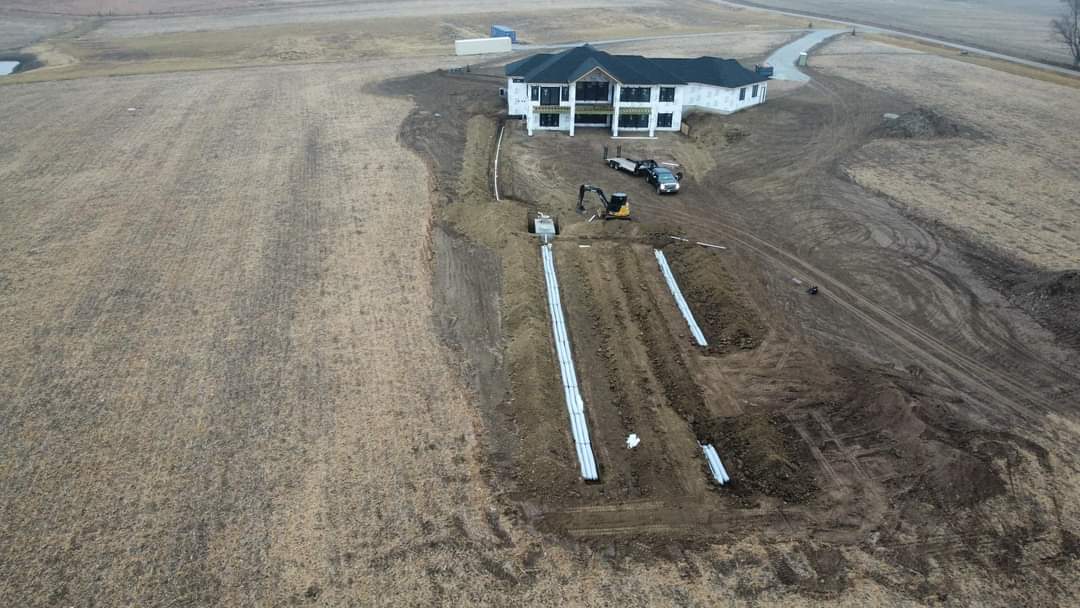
column 721, row 99
column 693, row 96
column 517, row 97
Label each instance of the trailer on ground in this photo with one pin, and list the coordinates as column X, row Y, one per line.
column 630, row 165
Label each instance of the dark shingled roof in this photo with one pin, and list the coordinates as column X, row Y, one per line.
column 574, row 63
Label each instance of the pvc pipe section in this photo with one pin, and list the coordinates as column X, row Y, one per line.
column 574, row 403
column 679, row 300
column 495, row 179
column 716, row 467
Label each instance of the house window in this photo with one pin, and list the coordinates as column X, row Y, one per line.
column 549, row 120
column 549, row 96
column 667, row 94
column 753, row 92
column 742, row 93
column 663, row 120
column 534, row 93
column 592, row 91
column 635, row 94
column 519, row 80
column 566, row 93
column 634, row 121
column 591, row 119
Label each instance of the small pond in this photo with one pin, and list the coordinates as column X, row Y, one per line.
column 7, row 67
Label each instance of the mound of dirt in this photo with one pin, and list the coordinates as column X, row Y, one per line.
column 921, row 123
column 763, row 454
column 1053, row 298
column 961, row 481
column 720, row 308
column 711, row 130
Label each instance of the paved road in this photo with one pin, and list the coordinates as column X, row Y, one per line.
column 866, row 28
column 784, row 58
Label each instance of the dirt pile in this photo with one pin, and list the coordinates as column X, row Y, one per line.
column 1054, row 299
column 722, row 310
column 711, row 130
column 933, row 456
column 763, row 454
column 921, row 123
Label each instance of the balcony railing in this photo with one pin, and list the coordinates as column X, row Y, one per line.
column 594, row 109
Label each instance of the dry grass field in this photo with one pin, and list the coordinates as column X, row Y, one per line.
column 1017, row 27
column 1012, row 184
column 266, row 340
column 221, row 379
column 147, row 7
column 17, row 31
column 357, row 32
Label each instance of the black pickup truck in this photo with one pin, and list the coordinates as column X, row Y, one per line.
column 666, row 181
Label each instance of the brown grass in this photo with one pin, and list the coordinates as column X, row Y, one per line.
column 1013, row 187
column 95, row 49
column 218, row 338
column 1001, row 65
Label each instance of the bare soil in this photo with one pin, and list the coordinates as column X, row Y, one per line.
column 850, row 424
column 719, row 306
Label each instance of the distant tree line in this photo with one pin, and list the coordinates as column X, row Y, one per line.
column 1067, row 29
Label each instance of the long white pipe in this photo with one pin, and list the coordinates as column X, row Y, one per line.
column 498, row 146
column 575, row 405
column 679, row 300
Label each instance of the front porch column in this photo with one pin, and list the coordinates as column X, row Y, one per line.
column 529, row 121
column 615, row 113
column 573, row 106
column 654, row 98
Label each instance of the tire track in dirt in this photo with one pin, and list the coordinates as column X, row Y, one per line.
column 839, row 132
column 887, row 323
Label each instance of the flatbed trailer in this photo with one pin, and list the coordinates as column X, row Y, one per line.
column 630, row 165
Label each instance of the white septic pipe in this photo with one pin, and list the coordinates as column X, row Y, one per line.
column 716, row 467
column 679, row 300
column 498, row 146
column 575, row 406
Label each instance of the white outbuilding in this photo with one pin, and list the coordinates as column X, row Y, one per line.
column 586, row 87
column 482, row 46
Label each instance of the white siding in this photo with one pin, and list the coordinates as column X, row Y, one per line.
column 517, row 98
column 720, row 99
column 689, row 97
column 478, row 46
